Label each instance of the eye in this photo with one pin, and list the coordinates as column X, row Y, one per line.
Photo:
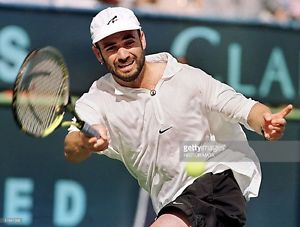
column 129, row 43
column 110, row 48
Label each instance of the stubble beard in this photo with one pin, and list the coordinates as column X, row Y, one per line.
column 132, row 76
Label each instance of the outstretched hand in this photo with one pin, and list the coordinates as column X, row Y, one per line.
column 99, row 144
column 78, row 147
column 274, row 124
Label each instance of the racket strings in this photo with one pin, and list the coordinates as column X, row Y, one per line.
column 55, row 109
column 42, row 93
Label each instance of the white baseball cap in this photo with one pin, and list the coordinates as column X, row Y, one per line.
column 112, row 20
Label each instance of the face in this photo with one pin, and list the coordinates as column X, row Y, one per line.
column 123, row 54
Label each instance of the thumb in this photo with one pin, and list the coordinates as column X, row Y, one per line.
column 102, row 131
column 267, row 116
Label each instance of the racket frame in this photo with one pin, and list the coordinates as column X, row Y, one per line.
column 67, row 106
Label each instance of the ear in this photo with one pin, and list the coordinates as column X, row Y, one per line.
column 97, row 53
column 143, row 40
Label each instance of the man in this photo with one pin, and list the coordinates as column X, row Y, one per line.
column 147, row 108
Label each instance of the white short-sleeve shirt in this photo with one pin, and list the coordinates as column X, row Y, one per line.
column 148, row 129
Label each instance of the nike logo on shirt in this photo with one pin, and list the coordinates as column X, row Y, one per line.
column 161, row 131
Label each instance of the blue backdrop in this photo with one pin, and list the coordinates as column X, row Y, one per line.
column 39, row 188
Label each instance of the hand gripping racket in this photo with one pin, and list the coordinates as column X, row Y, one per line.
column 41, row 95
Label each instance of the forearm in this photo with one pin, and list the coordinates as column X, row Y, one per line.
column 74, row 148
column 256, row 116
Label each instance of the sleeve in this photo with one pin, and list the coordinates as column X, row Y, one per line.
column 85, row 108
column 221, row 98
column 85, row 111
column 224, row 130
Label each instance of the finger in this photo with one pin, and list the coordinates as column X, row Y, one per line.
column 278, row 122
column 267, row 117
column 276, row 128
column 103, row 133
column 275, row 135
column 267, row 121
column 92, row 140
column 101, row 145
column 266, row 135
column 286, row 110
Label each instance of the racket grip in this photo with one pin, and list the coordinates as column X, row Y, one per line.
column 89, row 131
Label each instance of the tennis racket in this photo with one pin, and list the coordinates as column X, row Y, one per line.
column 41, row 95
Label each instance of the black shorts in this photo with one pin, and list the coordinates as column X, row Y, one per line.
column 213, row 200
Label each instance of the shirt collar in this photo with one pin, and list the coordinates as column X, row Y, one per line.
column 172, row 67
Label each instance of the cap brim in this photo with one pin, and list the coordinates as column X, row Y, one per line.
column 114, row 29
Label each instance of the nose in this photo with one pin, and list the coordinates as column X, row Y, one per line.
column 123, row 54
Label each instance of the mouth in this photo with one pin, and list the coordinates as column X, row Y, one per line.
column 126, row 66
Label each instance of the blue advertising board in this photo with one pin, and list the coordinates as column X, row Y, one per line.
column 259, row 60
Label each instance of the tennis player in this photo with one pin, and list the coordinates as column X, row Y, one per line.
column 149, row 107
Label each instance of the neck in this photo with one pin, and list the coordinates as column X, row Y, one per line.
column 148, row 78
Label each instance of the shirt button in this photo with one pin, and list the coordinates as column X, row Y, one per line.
column 152, row 92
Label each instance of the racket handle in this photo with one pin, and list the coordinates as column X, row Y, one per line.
column 89, row 131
